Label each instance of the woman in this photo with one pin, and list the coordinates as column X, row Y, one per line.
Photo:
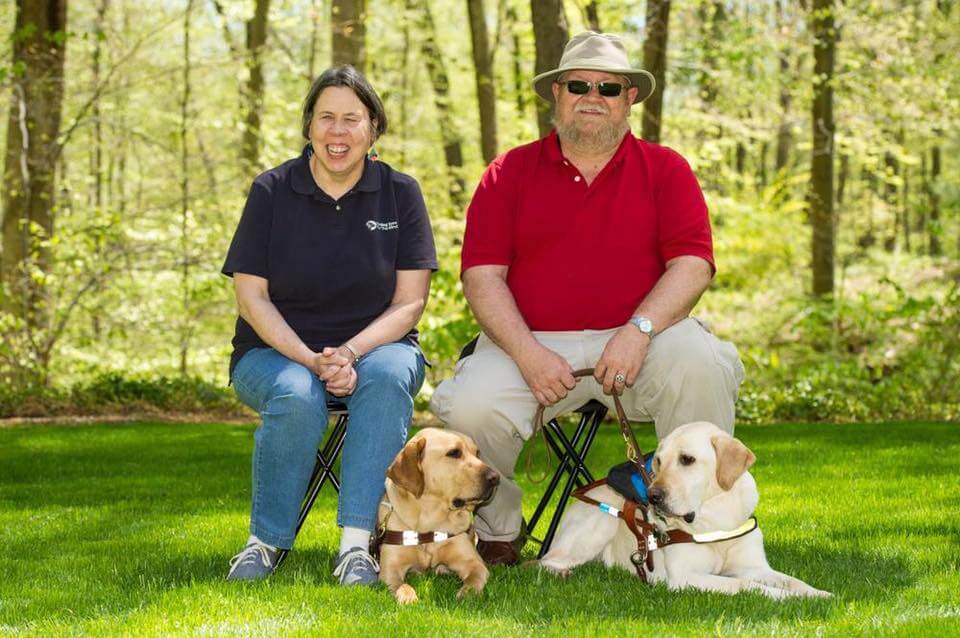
column 331, row 265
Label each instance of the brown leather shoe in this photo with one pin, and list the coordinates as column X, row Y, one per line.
column 503, row 552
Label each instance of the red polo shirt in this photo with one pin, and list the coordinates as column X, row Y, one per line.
column 584, row 257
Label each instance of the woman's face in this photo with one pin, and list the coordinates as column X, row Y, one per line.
column 340, row 132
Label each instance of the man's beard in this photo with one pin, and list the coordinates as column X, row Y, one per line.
column 606, row 138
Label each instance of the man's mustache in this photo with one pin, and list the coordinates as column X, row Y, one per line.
column 594, row 109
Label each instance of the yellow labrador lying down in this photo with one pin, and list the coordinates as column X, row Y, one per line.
column 432, row 488
column 701, row 486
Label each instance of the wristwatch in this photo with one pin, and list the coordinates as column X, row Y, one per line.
column 644, row 325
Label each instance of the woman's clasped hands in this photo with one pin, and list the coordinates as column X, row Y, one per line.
column 335, row 368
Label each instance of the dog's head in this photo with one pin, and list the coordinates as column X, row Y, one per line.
column 692, row 464
column 445, row 465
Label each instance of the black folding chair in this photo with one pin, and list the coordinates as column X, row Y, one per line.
column 327, row 456
column 572, row 453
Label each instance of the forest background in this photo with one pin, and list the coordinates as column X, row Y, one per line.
column 825, row 136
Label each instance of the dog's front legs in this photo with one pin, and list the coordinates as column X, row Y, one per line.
column 474, row 575
column 794, row 586
column 725, row 585
column 583, row 534
column 393, row 576
column 460, row 556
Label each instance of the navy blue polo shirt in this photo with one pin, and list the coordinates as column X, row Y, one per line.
column 331, row 264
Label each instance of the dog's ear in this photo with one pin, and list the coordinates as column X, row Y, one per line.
column 405, row 470
column 733, row 459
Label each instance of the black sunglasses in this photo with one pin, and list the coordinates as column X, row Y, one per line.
column 582, row 87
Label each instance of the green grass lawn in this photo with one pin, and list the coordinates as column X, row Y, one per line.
column 127, row 530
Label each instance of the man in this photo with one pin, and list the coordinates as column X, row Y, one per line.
column 585, row 249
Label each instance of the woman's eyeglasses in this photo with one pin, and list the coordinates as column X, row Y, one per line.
column 582, row 87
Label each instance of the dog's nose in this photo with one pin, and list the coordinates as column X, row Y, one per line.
column 491, row 476
column 656, row 495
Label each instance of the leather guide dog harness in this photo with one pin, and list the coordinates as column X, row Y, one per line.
column 631, row 480
column 407, row 537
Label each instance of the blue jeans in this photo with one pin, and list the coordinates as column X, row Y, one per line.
column 292, row 403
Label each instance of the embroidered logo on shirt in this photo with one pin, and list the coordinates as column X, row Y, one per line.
column 372, row 225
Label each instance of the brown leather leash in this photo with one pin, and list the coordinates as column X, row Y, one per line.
column 630, row 440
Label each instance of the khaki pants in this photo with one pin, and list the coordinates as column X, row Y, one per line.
column 688, row 375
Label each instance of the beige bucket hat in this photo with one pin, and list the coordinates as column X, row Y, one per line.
column 592, row 51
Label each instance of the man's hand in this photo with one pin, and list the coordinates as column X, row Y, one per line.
column 548, row 375
column 624, row 355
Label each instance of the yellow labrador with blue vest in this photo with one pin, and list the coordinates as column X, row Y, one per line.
column 702, row 487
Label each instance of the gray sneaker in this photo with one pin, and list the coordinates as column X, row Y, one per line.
column 255, row 562
column 356, row 567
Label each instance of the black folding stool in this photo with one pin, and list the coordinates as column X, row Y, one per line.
column 571, row 452
column 327, row 455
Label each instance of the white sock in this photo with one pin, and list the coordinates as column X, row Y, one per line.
column 354, row 537
column 254, row 539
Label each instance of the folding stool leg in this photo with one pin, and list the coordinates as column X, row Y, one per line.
column 570, row 452
column 574, row 475
column 323, row 470
column 549, row 428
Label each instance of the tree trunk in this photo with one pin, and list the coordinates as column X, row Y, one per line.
column 314, row 39
column 486, row 91
column 253, row 88
column 821, row 161
column 593, row 17
column 348, row 26
column 437, row 69
column 550, row 34
column 740, row 160
column 762, row 163
column 97, row 167
column 784, row 131
column 29, row 169
column 933, row 226
column 655, row 61
column 712, row 14
column 891, row 170
column 519, row 85
column 842, row 178
column 905, row 207
column 185, row 288
column 405, row 82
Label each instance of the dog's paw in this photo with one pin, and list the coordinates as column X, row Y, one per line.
column 819, row 593
column 441, row 570
column 469, row 590
column 405, row 594
column 561, row 572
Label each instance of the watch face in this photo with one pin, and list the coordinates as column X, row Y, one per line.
column 645, row 325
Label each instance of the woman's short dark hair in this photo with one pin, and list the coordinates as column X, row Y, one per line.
column 346, row 75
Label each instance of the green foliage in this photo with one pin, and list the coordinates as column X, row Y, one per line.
column 113, row 393
column 134, row 286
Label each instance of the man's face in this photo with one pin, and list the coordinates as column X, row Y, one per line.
column 592, row 120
